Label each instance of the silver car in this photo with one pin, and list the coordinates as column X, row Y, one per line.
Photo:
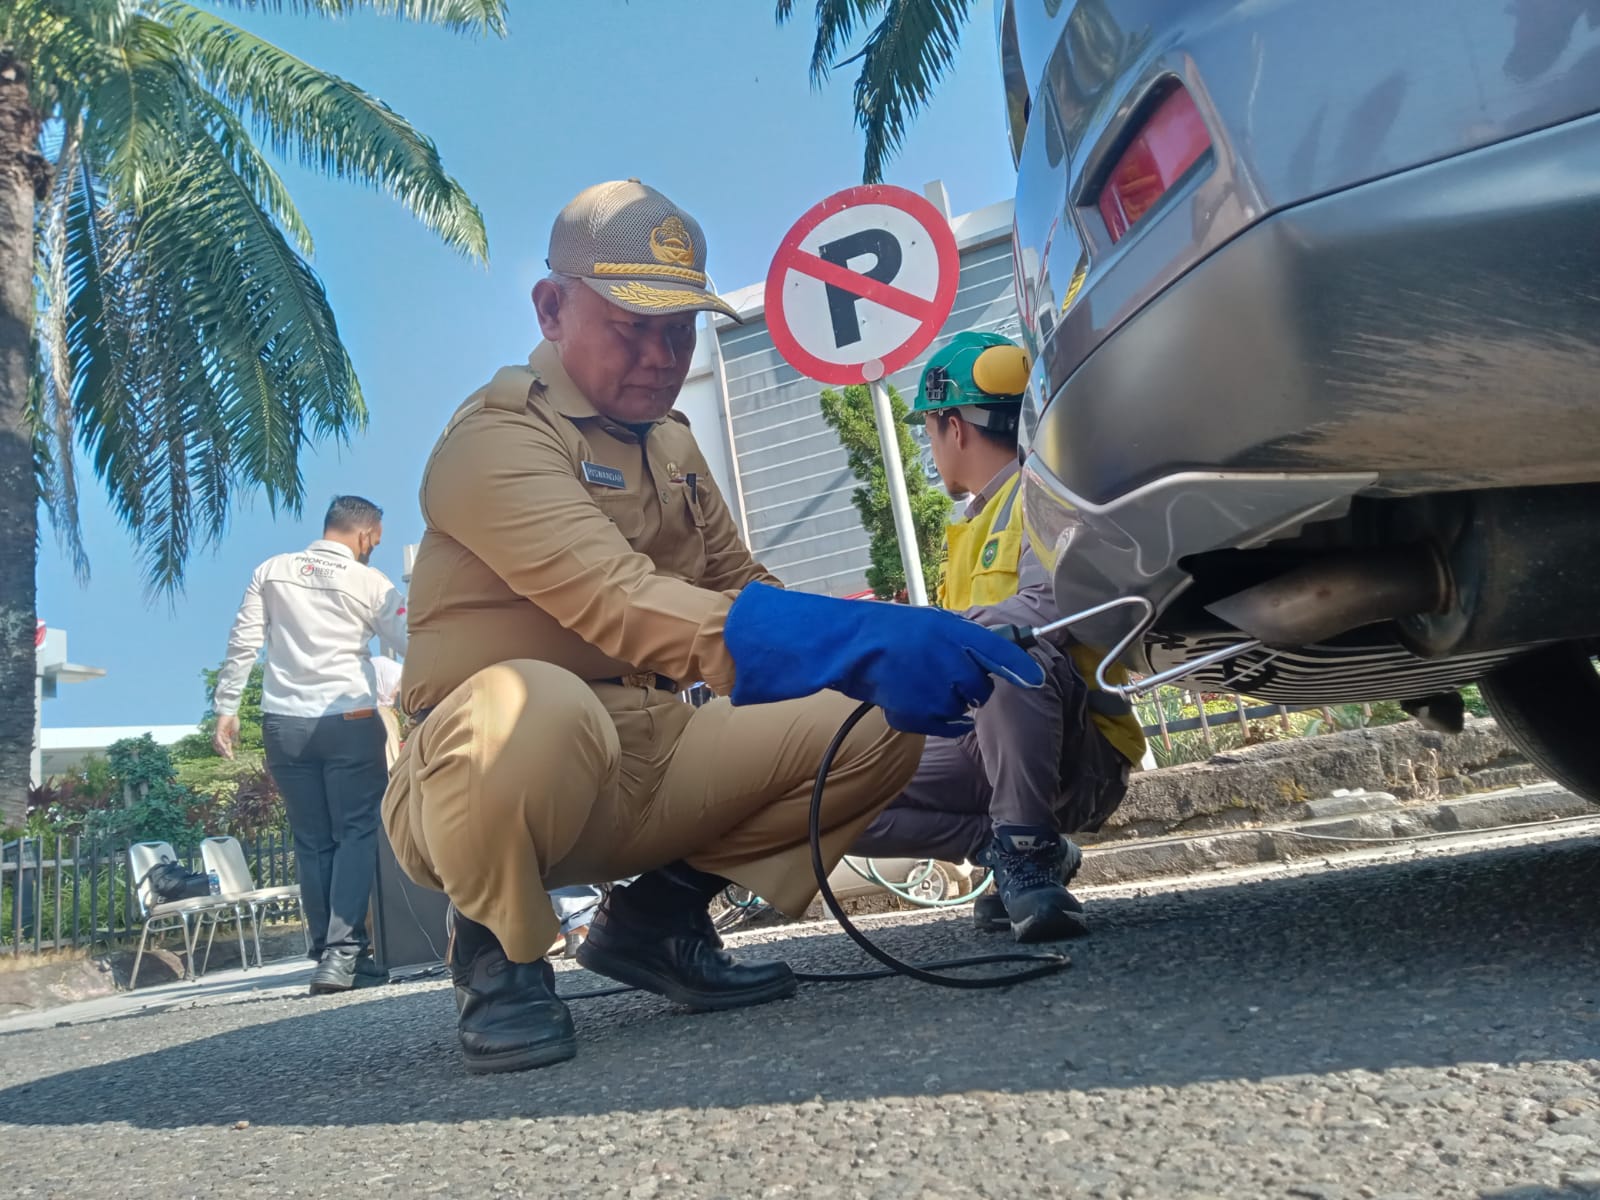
column 1313, row 294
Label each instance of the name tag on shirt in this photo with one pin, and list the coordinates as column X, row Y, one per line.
column 607, row 477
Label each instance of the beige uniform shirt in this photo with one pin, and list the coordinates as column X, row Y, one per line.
column 554, row 533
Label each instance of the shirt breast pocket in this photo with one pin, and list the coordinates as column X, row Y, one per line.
column 684, row 521
column 994, row 575
column 625, row 511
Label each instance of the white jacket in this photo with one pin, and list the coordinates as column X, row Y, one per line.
column 316, row 610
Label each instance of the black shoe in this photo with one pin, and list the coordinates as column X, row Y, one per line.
column 339, row 970
column 368, row 972
column 1031, row 867
column 671, row 948
column 336, row 972
column 508, row 1016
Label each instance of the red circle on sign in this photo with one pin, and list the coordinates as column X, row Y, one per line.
column 940, row 304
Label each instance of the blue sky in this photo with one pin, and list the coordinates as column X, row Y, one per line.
column 705, row 99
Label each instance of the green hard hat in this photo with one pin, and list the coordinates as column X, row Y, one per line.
column 973, row 368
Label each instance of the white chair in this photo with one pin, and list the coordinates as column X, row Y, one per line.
column 161, row 915
column 225, row 857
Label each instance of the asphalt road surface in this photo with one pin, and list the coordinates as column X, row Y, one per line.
column 1422, row 1027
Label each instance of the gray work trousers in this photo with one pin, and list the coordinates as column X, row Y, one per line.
column 1034, row 758
column 332, row 771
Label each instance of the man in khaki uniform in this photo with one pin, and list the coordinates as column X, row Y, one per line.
column 577, row 570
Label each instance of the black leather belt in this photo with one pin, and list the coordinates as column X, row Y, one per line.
column 644, row 679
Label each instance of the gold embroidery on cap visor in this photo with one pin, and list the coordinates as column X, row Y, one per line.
column 642, row 295
column 670, row 243
column 663, row 272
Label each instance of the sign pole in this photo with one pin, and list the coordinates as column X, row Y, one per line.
column 899, row 500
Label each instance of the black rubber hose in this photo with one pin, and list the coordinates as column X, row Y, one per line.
column 1045, row 963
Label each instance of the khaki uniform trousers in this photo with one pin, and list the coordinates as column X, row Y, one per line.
column 527, row 778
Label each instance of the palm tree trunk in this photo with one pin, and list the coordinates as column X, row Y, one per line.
column 22, row 174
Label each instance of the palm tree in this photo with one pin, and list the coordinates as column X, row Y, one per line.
column 905, row 55
column 157, row 312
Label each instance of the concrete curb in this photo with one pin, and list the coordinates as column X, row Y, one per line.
column 1277, row 781
column 1367, row 819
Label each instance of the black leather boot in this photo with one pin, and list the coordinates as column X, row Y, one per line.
column 340, row 969
column 655, row 934
column 509, row 1018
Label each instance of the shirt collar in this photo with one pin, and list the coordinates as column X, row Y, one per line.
column 324, row 546
column 551, row 378
column 992, row 488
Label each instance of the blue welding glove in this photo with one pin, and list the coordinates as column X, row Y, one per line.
column 923, row 666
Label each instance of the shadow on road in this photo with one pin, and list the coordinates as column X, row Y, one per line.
column 1488, row 957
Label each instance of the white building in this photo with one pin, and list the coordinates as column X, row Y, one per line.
column 70, row 747
column 51, row 670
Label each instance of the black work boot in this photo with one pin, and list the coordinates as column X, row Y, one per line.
column 656, row 934
column 1032, row 867
column 509, row 1018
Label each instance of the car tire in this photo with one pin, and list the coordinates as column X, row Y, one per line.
column 1545, row 703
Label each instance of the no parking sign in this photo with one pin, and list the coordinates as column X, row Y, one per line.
column 858, row 288
column 862, row 284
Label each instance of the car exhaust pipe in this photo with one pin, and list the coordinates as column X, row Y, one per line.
column 1333, row 595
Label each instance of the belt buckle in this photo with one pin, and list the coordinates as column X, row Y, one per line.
column 640, row 679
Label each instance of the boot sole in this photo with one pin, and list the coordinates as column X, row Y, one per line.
column 592, row 958
column 1050, row 927
column 546, row 1054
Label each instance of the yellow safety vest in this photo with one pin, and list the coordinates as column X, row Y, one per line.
column 981, row 563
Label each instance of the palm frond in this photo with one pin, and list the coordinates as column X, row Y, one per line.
column 256, row 364
column 138, row 111
column 325, row 122
column 904, row 58
column 64, row 44
column 101, row 324
column 254, row 171
column 837, row 22
column 459, row 16
column 53, row 395
column 186, row 349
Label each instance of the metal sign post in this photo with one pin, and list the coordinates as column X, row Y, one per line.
column 899, row 499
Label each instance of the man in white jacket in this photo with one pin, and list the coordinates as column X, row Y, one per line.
column 317, row 611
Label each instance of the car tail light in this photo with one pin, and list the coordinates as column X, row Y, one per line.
column 1171, row 141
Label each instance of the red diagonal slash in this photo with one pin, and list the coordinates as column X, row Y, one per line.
column 857, row 284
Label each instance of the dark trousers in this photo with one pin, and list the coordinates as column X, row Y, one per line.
column 1035, row 758
column 332, row 773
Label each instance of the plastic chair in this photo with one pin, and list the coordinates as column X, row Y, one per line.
column 224, row 857
column 161, row 915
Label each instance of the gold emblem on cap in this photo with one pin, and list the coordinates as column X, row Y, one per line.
column 670, row 243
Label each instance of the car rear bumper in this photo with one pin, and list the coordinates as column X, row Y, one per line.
column 1436, row 330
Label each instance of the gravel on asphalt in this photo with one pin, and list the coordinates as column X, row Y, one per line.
column 1414, row 1027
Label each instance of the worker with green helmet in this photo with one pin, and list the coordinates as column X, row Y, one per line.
column 1040, row 763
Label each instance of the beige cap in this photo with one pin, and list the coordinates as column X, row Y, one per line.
column 636, row 248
